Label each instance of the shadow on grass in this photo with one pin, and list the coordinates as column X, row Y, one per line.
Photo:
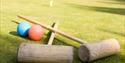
column 116, row 58
column 8, row 49
column 113, row 32
column 121, row 2
column 15, row 34
column 108, row 2
column 119, row 11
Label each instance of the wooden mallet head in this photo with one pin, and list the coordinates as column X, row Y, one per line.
column 96, row 50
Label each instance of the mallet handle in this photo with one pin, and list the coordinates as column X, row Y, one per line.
column 53, row 30
column 52, row 36
column 15, row 22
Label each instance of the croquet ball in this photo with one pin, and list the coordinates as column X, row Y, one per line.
column 36, row 32
column 23, row 28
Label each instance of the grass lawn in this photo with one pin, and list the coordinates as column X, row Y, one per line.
column 91, row 20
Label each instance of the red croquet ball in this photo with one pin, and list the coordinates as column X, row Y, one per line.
column 36, row 32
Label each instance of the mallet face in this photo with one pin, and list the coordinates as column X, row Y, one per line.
column 37, row 53
column 93, row 51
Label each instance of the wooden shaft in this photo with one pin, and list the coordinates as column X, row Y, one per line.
column 53, row 30
column 15, row 22
column 52, row 36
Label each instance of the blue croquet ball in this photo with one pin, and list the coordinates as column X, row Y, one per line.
column 23, row 28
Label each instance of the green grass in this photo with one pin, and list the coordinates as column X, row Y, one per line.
column 91, row 20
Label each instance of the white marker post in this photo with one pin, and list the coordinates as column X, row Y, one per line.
column 51, row 3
